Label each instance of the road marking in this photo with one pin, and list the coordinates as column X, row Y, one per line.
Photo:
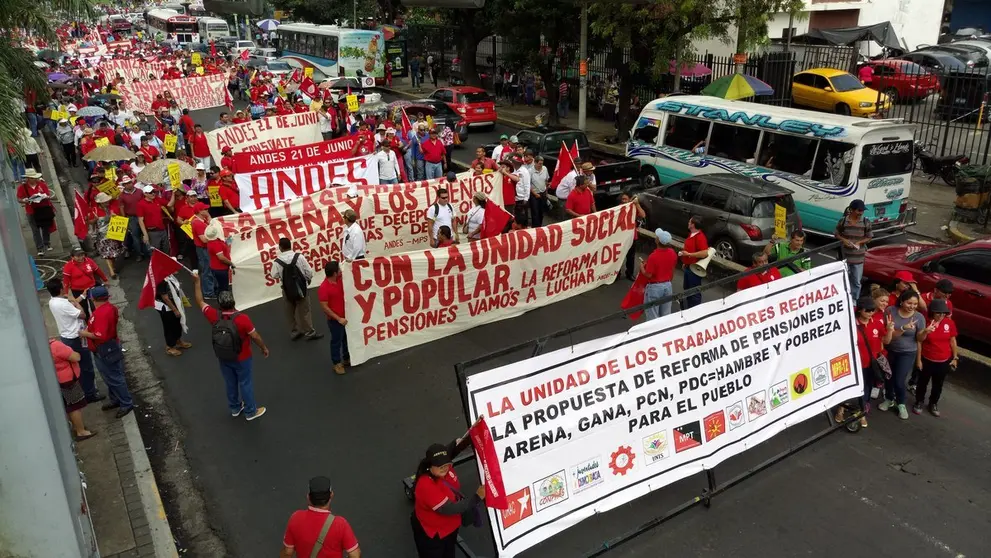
column 933, row 541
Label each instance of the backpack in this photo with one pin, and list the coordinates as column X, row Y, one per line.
column 293, row 282
column 226, row 339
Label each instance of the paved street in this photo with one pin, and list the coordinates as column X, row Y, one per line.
column 918, row 488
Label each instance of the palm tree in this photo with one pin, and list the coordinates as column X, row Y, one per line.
column 17, row 70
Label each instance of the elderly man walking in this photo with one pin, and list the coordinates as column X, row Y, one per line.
column 296, row 275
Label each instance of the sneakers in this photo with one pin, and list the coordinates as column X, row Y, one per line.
column 902, row 412
column 313, row 336
column 885, row 405
column 863, row 422
column 258, row 412
column 933, row 410
column 239, row 411
column 917, row 408
column 875, row 392
column 121, row 413
column 339, row 369
column 41, row 253
column 295, row 336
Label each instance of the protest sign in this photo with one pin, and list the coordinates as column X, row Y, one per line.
column 268, row 187
column 101, row 142
column 117, row 228
column 133, row 68
column 175, row 175
column 397, row 302
column 331, row 150
column 215, row 199
column 266, row 134
column 200, row 70
column 308, row 71
column 109, row 187
column 170, row 142
column 780, row 221
column 352, row 101
column 194, row 93
column 196, row 59
column 187, row 228
column 591, row 427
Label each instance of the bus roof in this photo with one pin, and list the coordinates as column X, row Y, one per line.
column 320, row 29
column 208, row 19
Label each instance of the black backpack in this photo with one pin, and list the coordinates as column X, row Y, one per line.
column 226, row 339
column 293, row 282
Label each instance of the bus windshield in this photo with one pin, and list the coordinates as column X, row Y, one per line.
column 886, row 159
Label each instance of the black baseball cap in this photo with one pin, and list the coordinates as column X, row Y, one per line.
column 438, row 456
column 320, row 486
column 858, row 205
column 866, row 303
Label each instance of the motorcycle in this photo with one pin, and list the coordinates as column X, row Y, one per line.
column 945, row 167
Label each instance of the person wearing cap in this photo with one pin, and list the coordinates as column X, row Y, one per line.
column 316, row 532
column 380, row 133
column 854, row 231
column 521, row 191
column 198, row 221
column 101, row 335
column 67, row 310
column 292, row 269
column 941, row 291
column 388, row 163
column 330, row 294
column 433, row 156
column 759, row 259
column 581, row 201
column 151, row 219
column 658, row 271
column 903, row 281
column 871, row 336
column 502, row 149
column 908, row 325
column 440, row 213
column 67, row 139
column 201, row 148
column 227, row 158
column 35, row 196
column 80, row 274
column 220, row 256
column 237, row 373
column 938, row 355
column 438, row 503
column 105, row 209
column 185, row 208
column 695, row 248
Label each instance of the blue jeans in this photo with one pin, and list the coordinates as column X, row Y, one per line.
column 902, row 363
column 87, row 376
column 691, row 281
column 222, row 278
column 240, row 386
column 113, row 376
column 203, row 265
column 856, row 272
column 562, row 108
column 133, row 240
column 434, row 170
column 388, row 181
column 655, row 291
column 338, row 342
column 33, row 123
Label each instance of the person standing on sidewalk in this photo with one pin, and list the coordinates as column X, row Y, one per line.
column 80, row 274
column 696, row 247
column 331, row 296
column 854, row 231
column 101, row 331
column 233, row 333
column 296, row 274
column 68, row 314
column 316, row 532
column 938, row 356
column 67, row 139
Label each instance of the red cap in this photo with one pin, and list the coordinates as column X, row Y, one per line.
column 200, row 207
column 225, row 149
column 225, row 172
column 905, row 276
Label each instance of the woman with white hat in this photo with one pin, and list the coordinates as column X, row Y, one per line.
column 220, row 255
column 35, row 196
column 106, row 208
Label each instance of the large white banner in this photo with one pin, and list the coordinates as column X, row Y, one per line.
column 585, row 429
column 194, row 93
column 393, row 303
column 134, row 69
column 393, row 217
column 266, row 188
column 266, row 134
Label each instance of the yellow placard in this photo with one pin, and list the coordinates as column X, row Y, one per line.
column 199, row 70
column 117, row 228
column 109, row 187
column 59, row 115
column 110, row 173
column 215, row 199
column 170, row 142
column 352, row 101
column 175, row 176
column 187, row 228
column 308, row 72
column 780, row 222
column 100, row 142
column 315, row 106
column 72, row 120
column 196, row 59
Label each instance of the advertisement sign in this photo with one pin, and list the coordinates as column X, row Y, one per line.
column 590, row 427
column 395, row 50
column 194, row 93
column 254, row 161
column 266, row 188
column 266, row 134
column 400, row 302
column 361, row 50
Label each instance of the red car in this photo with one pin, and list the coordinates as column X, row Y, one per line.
column 902, row 80
column 967, row 265
column 475, row 105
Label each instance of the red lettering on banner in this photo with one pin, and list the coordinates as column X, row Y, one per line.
column 517, row 245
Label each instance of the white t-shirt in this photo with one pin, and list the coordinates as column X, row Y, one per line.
column 523, row 184
column 442, row 215
column 566, row 185
column 388, row 166
column 353, row 246
column 538, row 179
column 497, row 152
column 68, row 318
column 476, row 218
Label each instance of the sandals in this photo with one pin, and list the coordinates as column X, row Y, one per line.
column 87, row 437
column 840, row 415
column 173, row 351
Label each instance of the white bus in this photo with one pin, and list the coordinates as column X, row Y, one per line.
column 212, row 28
column 333, row 51
column 172, row 26
column 826, row 160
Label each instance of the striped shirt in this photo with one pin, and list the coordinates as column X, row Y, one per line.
column 854, row 232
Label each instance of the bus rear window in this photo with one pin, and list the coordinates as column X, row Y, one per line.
column 886, row 159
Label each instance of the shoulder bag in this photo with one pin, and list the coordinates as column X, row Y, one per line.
column 318, row 546
column 879, row 363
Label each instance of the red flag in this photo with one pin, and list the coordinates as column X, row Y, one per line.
column 79, row 216
column 82, row 85
column 634, row 297
column 407, row 125
column 245, row 55
column 495, row 220
column 213, row 49
column 228, row 100
column 297, row 76
column 309, row 87
column 565, row 164
column 488, row 461
column 160, row 266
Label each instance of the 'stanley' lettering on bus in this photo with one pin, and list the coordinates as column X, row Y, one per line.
column 761, row 120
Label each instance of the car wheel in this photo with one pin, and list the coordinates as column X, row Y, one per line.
column 892, row 94
column 648, row 178
column 843, row 109
column 726, row 248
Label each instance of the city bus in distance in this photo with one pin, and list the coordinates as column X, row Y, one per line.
column 333, row 51
column 212, row 28
column 172, row 25
column 826, row 160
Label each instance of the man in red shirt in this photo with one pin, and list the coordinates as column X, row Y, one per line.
column 331, row 297
column 581, row 201
column 159, row 103
column 80, row 274
column 129, row 198
column 300, row 107
column 187, row 127
column 151, row 218
column 227, row 158
column 434, row 156
column 766, row 276
column 104, row 131
column 198, row 224
column 315, row 523
column 201, row 149
column 487, row 162
column 234, row 354
column 696, row 247
column 942, row 291
column 150, row 151
column 658, row 271
column 101, row 335
column 229, row 194
column 220, row 256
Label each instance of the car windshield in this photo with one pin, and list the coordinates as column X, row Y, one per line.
column 886, row 159
column 553, row 142
column 479, row 97
column 845, row 82
column 922, row 253
column 279, row 67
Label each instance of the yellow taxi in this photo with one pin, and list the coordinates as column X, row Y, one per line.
column 836, row 91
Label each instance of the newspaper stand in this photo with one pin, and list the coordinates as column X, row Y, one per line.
column 712, row 487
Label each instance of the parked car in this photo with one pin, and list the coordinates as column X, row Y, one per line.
column 936, row 61
column 266, row 53
column 339, row 88
column 737, row 212
column 983, row 44
column 613, row 173
column 901, row 80
column 967, row 265
column 236, row 46
column 439, row 113
column 474, row 104
column 973, row 57
column 962, row 94
column 833, row 90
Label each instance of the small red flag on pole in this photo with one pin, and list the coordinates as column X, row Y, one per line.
column 160, row 266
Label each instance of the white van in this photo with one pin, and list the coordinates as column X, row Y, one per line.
column 212, row 28
column 826, row 160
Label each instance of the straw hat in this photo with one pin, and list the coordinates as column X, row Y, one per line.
column 103, row 197
column 31, row 173
column 87, row 131
column 213, row 231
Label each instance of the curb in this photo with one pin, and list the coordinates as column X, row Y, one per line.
column 955, row 233
column 151, row 501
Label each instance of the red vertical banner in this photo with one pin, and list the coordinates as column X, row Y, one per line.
column 488, row 459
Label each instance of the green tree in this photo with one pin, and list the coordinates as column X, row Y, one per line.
column 18, row 74
column 329, row 12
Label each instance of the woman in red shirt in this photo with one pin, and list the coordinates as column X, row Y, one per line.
column 937, row 356
column 438, row 502
column 201, row 149
column 35, row 196
column 80, row 274
column 658, row 270
column 220, row 256
column 869, row 341
column 880, row 320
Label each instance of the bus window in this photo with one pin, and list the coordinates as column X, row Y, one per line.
column 733, row 142
column 647, row 130
column 886, row 159
column 787, row 153
column 685, row 133
column 833, row 162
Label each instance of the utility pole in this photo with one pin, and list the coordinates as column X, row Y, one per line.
column 740, row 57
column 583, row 68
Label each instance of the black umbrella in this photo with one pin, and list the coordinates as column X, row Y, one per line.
column 89, row 81
column 345, row 83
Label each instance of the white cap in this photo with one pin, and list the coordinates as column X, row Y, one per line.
column 71, row 108
column 199, row 166
column 148, row 189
